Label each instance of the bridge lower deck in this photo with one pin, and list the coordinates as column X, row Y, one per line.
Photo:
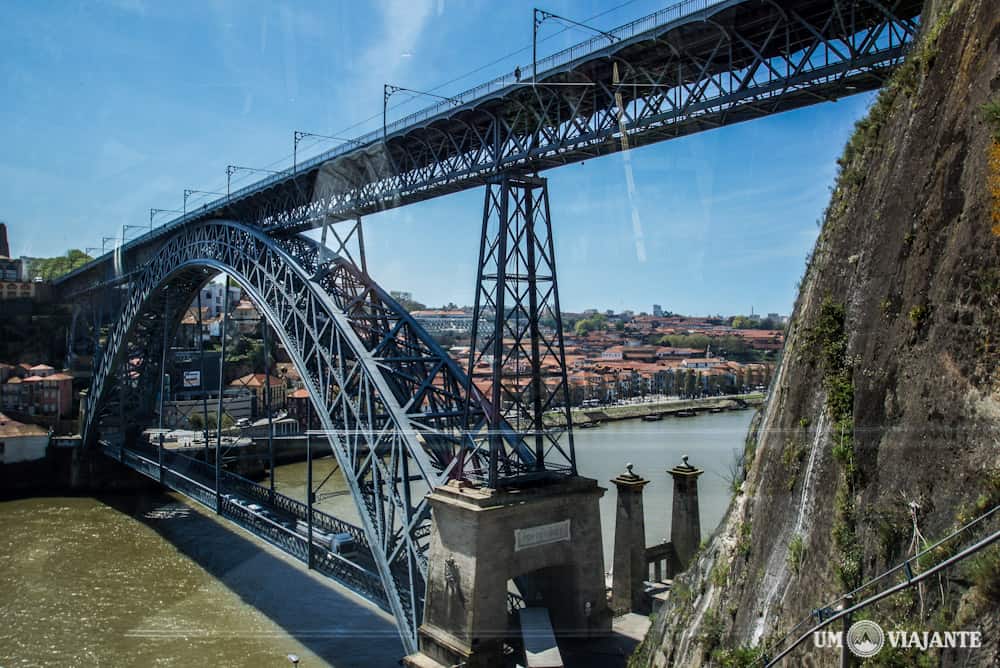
column 274, row 517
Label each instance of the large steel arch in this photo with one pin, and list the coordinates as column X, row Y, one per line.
column 390, row 401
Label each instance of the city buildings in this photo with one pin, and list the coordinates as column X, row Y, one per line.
column 36, row 390
column 625, row 355
column 213, row 298
column 255, row 383
column 14, row 281
column 299, row 409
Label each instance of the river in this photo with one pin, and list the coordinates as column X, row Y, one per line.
column 710, row 440
column 151, row 580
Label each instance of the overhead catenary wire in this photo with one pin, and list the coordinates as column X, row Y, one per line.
column 902, row 566
column 410, row 98
column 875, row 598
column 243, row 179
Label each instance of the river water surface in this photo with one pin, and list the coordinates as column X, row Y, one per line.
column 150, row 580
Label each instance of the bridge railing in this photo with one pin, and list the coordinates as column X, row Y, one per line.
column 363, row 581
column 548, row 63
column 661, row 562
column 190, row 487
column 234, row 483
column 356, row 576
column 543, row 66
column 321, row 520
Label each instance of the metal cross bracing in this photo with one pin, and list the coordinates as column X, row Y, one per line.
column 390, row 402
column 519, row 360
column 691, row 67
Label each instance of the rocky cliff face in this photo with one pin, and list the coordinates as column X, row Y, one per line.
column 882, row 432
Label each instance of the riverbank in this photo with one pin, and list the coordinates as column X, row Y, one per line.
column 665, row 408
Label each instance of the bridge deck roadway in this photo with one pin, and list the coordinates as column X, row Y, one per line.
column 273, row 517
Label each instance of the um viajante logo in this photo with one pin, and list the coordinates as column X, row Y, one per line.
column 866, row 638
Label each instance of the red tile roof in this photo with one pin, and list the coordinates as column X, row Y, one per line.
column 255, row 380
column 10, row 428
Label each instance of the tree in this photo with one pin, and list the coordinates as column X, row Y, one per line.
column 696, row 341
column 690, row 384
column 49, row 268
column 591, row 323
column 406, row 302
column 197, row 420
column 248, row 350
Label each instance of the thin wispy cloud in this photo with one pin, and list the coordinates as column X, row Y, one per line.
column 403, row 23
column 129, row 6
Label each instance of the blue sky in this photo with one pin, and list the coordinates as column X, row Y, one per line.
column 114, row 107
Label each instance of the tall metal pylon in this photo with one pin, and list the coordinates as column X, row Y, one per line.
column 517, row 359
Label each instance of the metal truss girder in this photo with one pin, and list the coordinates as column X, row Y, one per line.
column 389, row 399
column 681, row 75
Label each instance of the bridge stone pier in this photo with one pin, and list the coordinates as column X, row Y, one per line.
column 546, row 539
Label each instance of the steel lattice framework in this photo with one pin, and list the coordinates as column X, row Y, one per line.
column 391, row 403
column 523, row 362
column 691, row 67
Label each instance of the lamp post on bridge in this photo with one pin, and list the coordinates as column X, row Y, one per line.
column 126, row 228
column 154, row 212
column 299, row 135
column 388, row 90
column 540, row 16
column 232, row 169
column 188, row 192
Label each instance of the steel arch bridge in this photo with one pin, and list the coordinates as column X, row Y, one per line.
column 391, row 403
column 399, row 415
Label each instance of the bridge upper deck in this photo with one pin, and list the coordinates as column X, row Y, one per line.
column 693, row 66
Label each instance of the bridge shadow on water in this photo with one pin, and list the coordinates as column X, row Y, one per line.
column 325, row 618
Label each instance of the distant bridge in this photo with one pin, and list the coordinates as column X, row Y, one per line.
column 400, row 416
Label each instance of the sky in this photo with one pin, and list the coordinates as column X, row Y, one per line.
column 114, row 107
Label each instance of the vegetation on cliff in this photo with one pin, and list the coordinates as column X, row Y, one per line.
column 50, row 268
column 879, row 437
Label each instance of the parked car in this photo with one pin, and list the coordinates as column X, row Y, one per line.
column 344, row 545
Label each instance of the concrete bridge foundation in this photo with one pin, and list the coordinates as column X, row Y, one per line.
column 544, row 542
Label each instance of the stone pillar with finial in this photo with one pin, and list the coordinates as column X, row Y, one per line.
column 629, row 569
column 685, row 520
